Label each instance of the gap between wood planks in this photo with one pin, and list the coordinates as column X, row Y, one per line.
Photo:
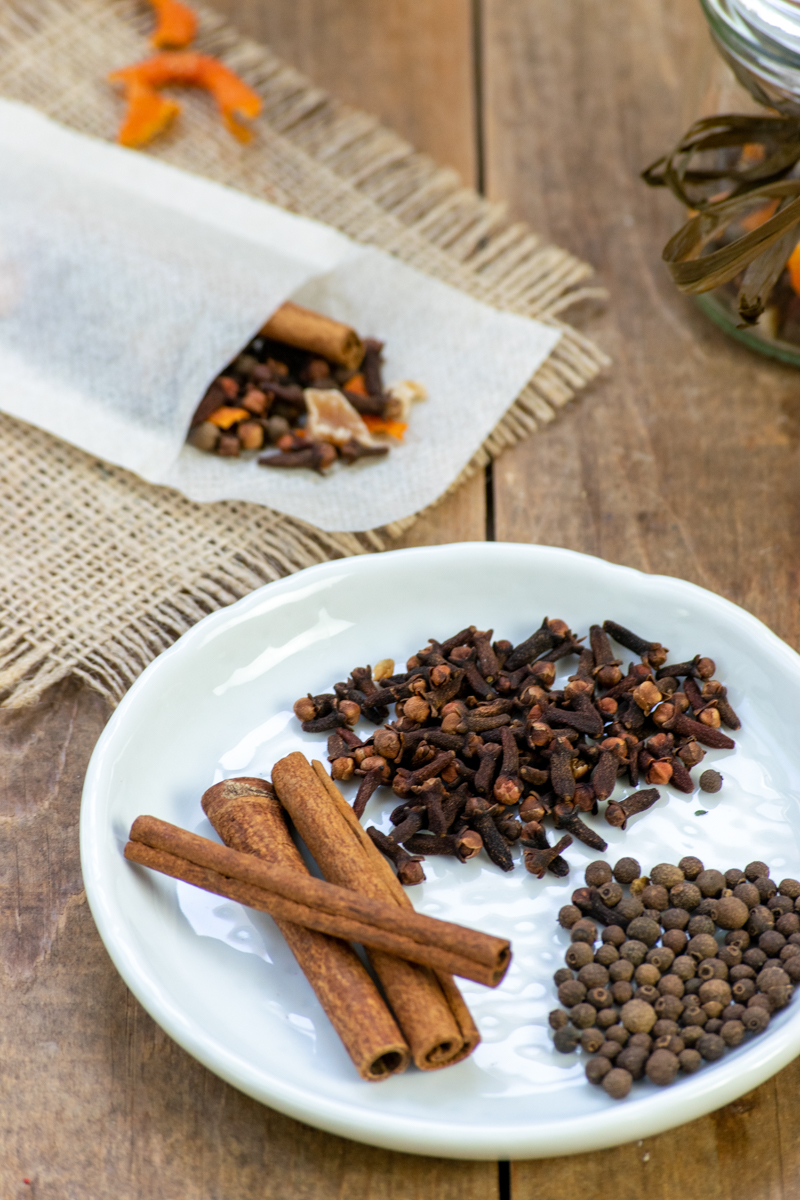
column 480, row 182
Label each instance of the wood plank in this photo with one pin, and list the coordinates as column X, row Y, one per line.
column 735, row 1152
column 409, row 62
column 95, row 1099
column 682, row 460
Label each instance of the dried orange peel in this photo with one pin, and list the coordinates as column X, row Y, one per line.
column 176, row 25
column 148, row 113
column 224, row 417
column 395, row 429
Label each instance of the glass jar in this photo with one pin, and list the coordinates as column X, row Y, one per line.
column 759, row 42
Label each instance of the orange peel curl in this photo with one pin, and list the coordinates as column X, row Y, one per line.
column 145, row 117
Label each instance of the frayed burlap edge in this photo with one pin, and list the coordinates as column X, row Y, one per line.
column 314, row 156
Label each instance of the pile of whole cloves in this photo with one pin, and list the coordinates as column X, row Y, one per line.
column 481, row 729
column 691, row 962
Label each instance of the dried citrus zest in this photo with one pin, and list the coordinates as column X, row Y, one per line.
column 793, row 267
column 224, row 417
column 147, row 115
column 395, row 429
column 176, row 24
column 357, row 385
column 235, row 99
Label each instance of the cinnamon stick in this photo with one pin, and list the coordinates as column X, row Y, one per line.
column 436, row 1024
column 308, row 330
column 297, row 896
column 248, row 818
column 394, row 890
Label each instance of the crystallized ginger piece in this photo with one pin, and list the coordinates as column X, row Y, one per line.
column 332, row 418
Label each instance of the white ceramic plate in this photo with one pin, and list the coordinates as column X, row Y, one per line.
column 219, row 978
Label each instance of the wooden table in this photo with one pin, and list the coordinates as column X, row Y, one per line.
column 683, row 460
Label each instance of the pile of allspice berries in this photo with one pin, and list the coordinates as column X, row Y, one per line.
column 689, row 963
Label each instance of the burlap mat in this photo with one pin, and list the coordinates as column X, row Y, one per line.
column 101, row 571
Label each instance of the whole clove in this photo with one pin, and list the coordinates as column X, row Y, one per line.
column 487, row 737
column 618, row 812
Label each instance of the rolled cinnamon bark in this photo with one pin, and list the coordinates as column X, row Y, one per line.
column 307, row 330
column 395, row 890
column 248, row 818
column 428, row 1018
column 297, row 896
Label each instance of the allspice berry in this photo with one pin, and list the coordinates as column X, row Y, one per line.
column 571, row 992
column 685, row 895
column 617, row 1083
column 625, row 871
column 583, row 1016
column 638, row 1017
column 690, row 1061
column 717, row 991
column 568, row 915
column 748, row 893
column 732, row 1033
column 566, row 1039
column 593, row 975
column 690, row 866
column 710, row 781
column 592, row 1040
column 755, row 1020
column 578, row 955
column 655, row 896
column 756, row 870
column 597, row 873
column 704, row 945
column 675, row 940
column 732, row 913
column 666, row 875
column 558, row 1018
column 662, row 1067
column 633, row 1059
column 710, row 883
column 711, row 1046
column 611, row 893
column 644, row 929
column 634, row 951
column 771, row 977
column 597, row 1069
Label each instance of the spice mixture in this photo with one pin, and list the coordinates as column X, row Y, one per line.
column 485, row 748
column 690, row 962
column 309, row 390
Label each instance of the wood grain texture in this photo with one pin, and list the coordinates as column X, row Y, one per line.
column 684, row 458
column 409, row 62
column 95, row 1100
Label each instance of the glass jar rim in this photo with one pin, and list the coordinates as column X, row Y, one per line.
column 735, row 25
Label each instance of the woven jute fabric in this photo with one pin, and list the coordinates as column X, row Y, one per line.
column 102, row 571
